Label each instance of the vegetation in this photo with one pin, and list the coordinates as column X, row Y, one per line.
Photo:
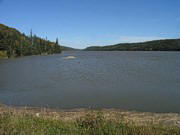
column 13, row 121
column 3, row 54
column 65, row 48
column 17, row 44
column 157, row 45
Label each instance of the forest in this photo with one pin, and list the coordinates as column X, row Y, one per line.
column 13, row 43
column 156, row 45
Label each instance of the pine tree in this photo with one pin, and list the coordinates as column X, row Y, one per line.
column 45, row 45
column 31, row 34
column 31, row 38
column 57, row 41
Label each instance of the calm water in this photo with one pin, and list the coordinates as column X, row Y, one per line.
column 143, row 81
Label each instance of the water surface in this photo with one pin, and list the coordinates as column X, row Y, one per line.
column 143, row 81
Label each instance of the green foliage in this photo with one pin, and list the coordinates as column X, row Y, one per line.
column 90, row 121
column 91, row 124
column 17, row 44
column 3, row 54
column 158, row 45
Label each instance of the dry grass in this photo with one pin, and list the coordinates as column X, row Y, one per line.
column 82, row 121
column 138, row 118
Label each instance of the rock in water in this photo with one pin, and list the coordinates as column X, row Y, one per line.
column 70, row 57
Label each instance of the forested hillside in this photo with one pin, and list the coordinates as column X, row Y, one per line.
column 15, row 44
column 65, row 48
column 157, row 45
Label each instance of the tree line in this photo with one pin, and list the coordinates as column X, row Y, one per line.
column 17, row 44
column 157, row 45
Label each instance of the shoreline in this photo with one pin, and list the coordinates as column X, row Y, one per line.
column 15, row 57
column 27, row 120
column 70, row 115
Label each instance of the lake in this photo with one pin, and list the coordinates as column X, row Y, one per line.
column 142, row 81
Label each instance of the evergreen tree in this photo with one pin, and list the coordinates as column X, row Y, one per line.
column 17, row 44
column 57, row 43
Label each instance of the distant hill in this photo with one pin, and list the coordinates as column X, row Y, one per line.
column 156, row 45
column 65, row 48
column 14, row 43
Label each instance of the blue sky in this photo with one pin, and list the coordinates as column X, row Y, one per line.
column 81, row 23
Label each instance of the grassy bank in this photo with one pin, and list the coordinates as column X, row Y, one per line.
column 82, row 121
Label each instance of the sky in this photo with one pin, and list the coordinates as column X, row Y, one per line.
column 82, row 23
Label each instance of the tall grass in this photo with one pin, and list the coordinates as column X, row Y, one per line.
column 90, row 124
